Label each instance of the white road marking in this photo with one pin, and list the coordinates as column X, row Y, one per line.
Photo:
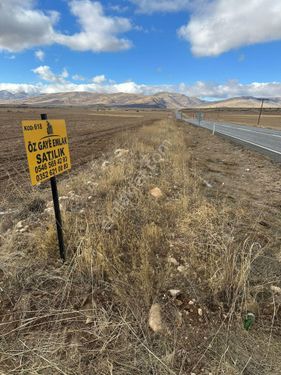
column 252, row 143
column 241, row 139
column 250, row 131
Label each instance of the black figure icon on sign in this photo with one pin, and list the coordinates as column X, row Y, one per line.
column 49, row 128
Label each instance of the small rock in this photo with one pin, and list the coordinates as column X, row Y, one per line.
column 89, row 320
column 105, row 164
column 156, row 192
column 191, row 302
column 174, row 292
column 63, row 198
column 172, row 260
column 207, row 184
column 73, row 196
column 49, row 211
column 24, row 229
column 275, row 289
column 19, row 225
column 200, row 312
column 120, row 152
column 181, row 269
column 89, row 198
column 50, row 204
column 155, row 318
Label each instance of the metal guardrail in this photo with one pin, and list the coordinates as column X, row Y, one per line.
column 215, row 128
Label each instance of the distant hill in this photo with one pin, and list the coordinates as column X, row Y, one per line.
column 8, row 96
column 161, row 100
column 243, row 102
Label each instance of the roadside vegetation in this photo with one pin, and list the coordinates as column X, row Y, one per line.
column 159, row 275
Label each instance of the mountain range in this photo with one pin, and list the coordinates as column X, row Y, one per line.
column 244, row 102
column 162, row 100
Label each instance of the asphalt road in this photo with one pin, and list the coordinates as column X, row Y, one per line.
column 266, row 141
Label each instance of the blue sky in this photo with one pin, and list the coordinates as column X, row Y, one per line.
column 206, row 48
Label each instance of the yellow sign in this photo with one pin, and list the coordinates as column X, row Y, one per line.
column 47, row 150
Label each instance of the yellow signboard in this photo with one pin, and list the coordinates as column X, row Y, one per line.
column 47, row 150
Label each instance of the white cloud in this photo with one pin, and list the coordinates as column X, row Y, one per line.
column 118, row 8
column 16, row 88
column 222, row 25
column 151, row 6
column 78, row 77
column 99, row 33
column 58, row 83
column 23, row 26
column 64, row 73
column 232, row 88
column 46, row 74
column 99, row 79
column 40, row 55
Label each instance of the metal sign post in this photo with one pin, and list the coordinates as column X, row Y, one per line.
column 259, row 118
column 199, row 117
column 57, row 208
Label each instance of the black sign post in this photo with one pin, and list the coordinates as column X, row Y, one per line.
column 57, row 208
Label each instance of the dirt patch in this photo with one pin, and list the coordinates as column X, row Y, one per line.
column 237, row 174
column 90, row 133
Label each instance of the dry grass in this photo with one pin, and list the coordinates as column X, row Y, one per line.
column 89, row 316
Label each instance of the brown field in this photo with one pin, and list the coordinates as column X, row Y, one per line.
column 90, row 133
column 163, row 290
column 271, row 118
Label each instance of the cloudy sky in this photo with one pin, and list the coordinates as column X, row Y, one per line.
column 206, row 48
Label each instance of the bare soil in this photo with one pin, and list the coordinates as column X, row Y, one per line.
column 90, row 134
column 235, row 173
